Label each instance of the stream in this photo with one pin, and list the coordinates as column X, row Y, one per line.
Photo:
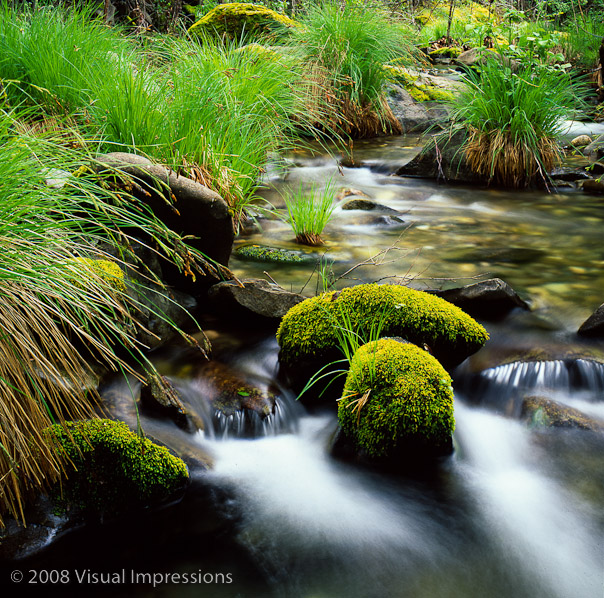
column 516, row 512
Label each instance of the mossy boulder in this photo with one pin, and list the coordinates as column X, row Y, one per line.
column 420, row 88
column 110, row 469
column 107, row 270
column 239, row 20
column 309, row 330
column 397, row 404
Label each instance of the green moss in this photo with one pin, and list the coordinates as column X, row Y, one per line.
column 308, row 329
column 262, row 253
column 106, row 270
column 447, row 52
column 418, row 91
column 237, row 20
column 410, row 398
column 113, row 469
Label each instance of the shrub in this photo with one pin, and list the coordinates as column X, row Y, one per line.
column 310, row 329
column 408, row 398
column 112, row 469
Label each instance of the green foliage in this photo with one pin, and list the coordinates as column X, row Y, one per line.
column 349, row 44
column 309, row 329
column 243, row 21
column 409, row 395
column 111, row 469
column 419, row 91
column 309, row 211
column 514, row 119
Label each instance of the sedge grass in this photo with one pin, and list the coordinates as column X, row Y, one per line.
column 514, row 120
column 61, row 320
column 309, row 211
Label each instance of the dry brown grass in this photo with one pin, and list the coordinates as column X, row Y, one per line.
column 507, row 162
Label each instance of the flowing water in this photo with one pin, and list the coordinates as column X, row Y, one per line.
column 516, row 511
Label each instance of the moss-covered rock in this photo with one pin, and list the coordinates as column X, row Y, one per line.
column 106, row 270
column 418, row 87
column 308, row 330
column 110, row 469
column 408, row 406
column 239, row 20
column 274, row 255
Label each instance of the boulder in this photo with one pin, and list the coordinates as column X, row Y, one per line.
column 273, row 255
column 252, row 300
column 396, row 407
column 594, row 325
column 489, row 299
column 581, row 141
column 312, row 333
column 238, row 20
column 183, row 205
column 368, row 205
column 443, row 159
column 595, row 150
column 540, row 411
column 595, row 186
column 414, row 116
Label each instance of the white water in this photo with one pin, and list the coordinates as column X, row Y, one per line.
column 545, row 529
column 319, row 527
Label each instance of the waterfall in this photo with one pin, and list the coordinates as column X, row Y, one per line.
column 543, row 527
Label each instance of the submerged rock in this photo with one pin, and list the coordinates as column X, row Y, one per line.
column 540, row 411
column 594, row 325
column 368, row 205
column 397, row 406
column 489, row 299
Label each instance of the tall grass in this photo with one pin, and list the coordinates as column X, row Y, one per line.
column 351, row 44
column 309, row 211
column 60, row 319
column 514, row 120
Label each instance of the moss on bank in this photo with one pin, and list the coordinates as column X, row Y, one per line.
column 309, row 330
column 410, row 398
column 239, row 20
column 106, row 270
column 112, row 469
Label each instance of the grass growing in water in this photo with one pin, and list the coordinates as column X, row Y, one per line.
column 309, row 211
column 514, row 120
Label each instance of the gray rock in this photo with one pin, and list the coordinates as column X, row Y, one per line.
column 367, row 205
column 183, row 205
column 594, row 325
column 443, row 158
column 595, row 150
column 540, row 411
column 413, row 116
column 490, row 299
column 252, row 299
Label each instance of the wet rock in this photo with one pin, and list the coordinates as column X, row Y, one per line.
column 413, row 116
column 568, row 174
column 506, row 255
column 442, row 159
column 160, row 397
column 253, row 300
column 581, row 141
column 183, row 205
column 273, row 255
column 489, row 299
column 540, row 411
column 595, row 150
column 349, row 191
column 368, row 205
column 594, row 325
column 593, row 186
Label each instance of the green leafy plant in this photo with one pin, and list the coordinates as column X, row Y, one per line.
column 309, row 211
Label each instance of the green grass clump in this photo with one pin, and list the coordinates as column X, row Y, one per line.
column 111, row 469
column 395, row 393
column 309, row 211
column 239, row 20
column 349, row 44
column 311, row 329
column 514, row 120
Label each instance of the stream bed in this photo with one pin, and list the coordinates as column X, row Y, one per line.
column 516, row 511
